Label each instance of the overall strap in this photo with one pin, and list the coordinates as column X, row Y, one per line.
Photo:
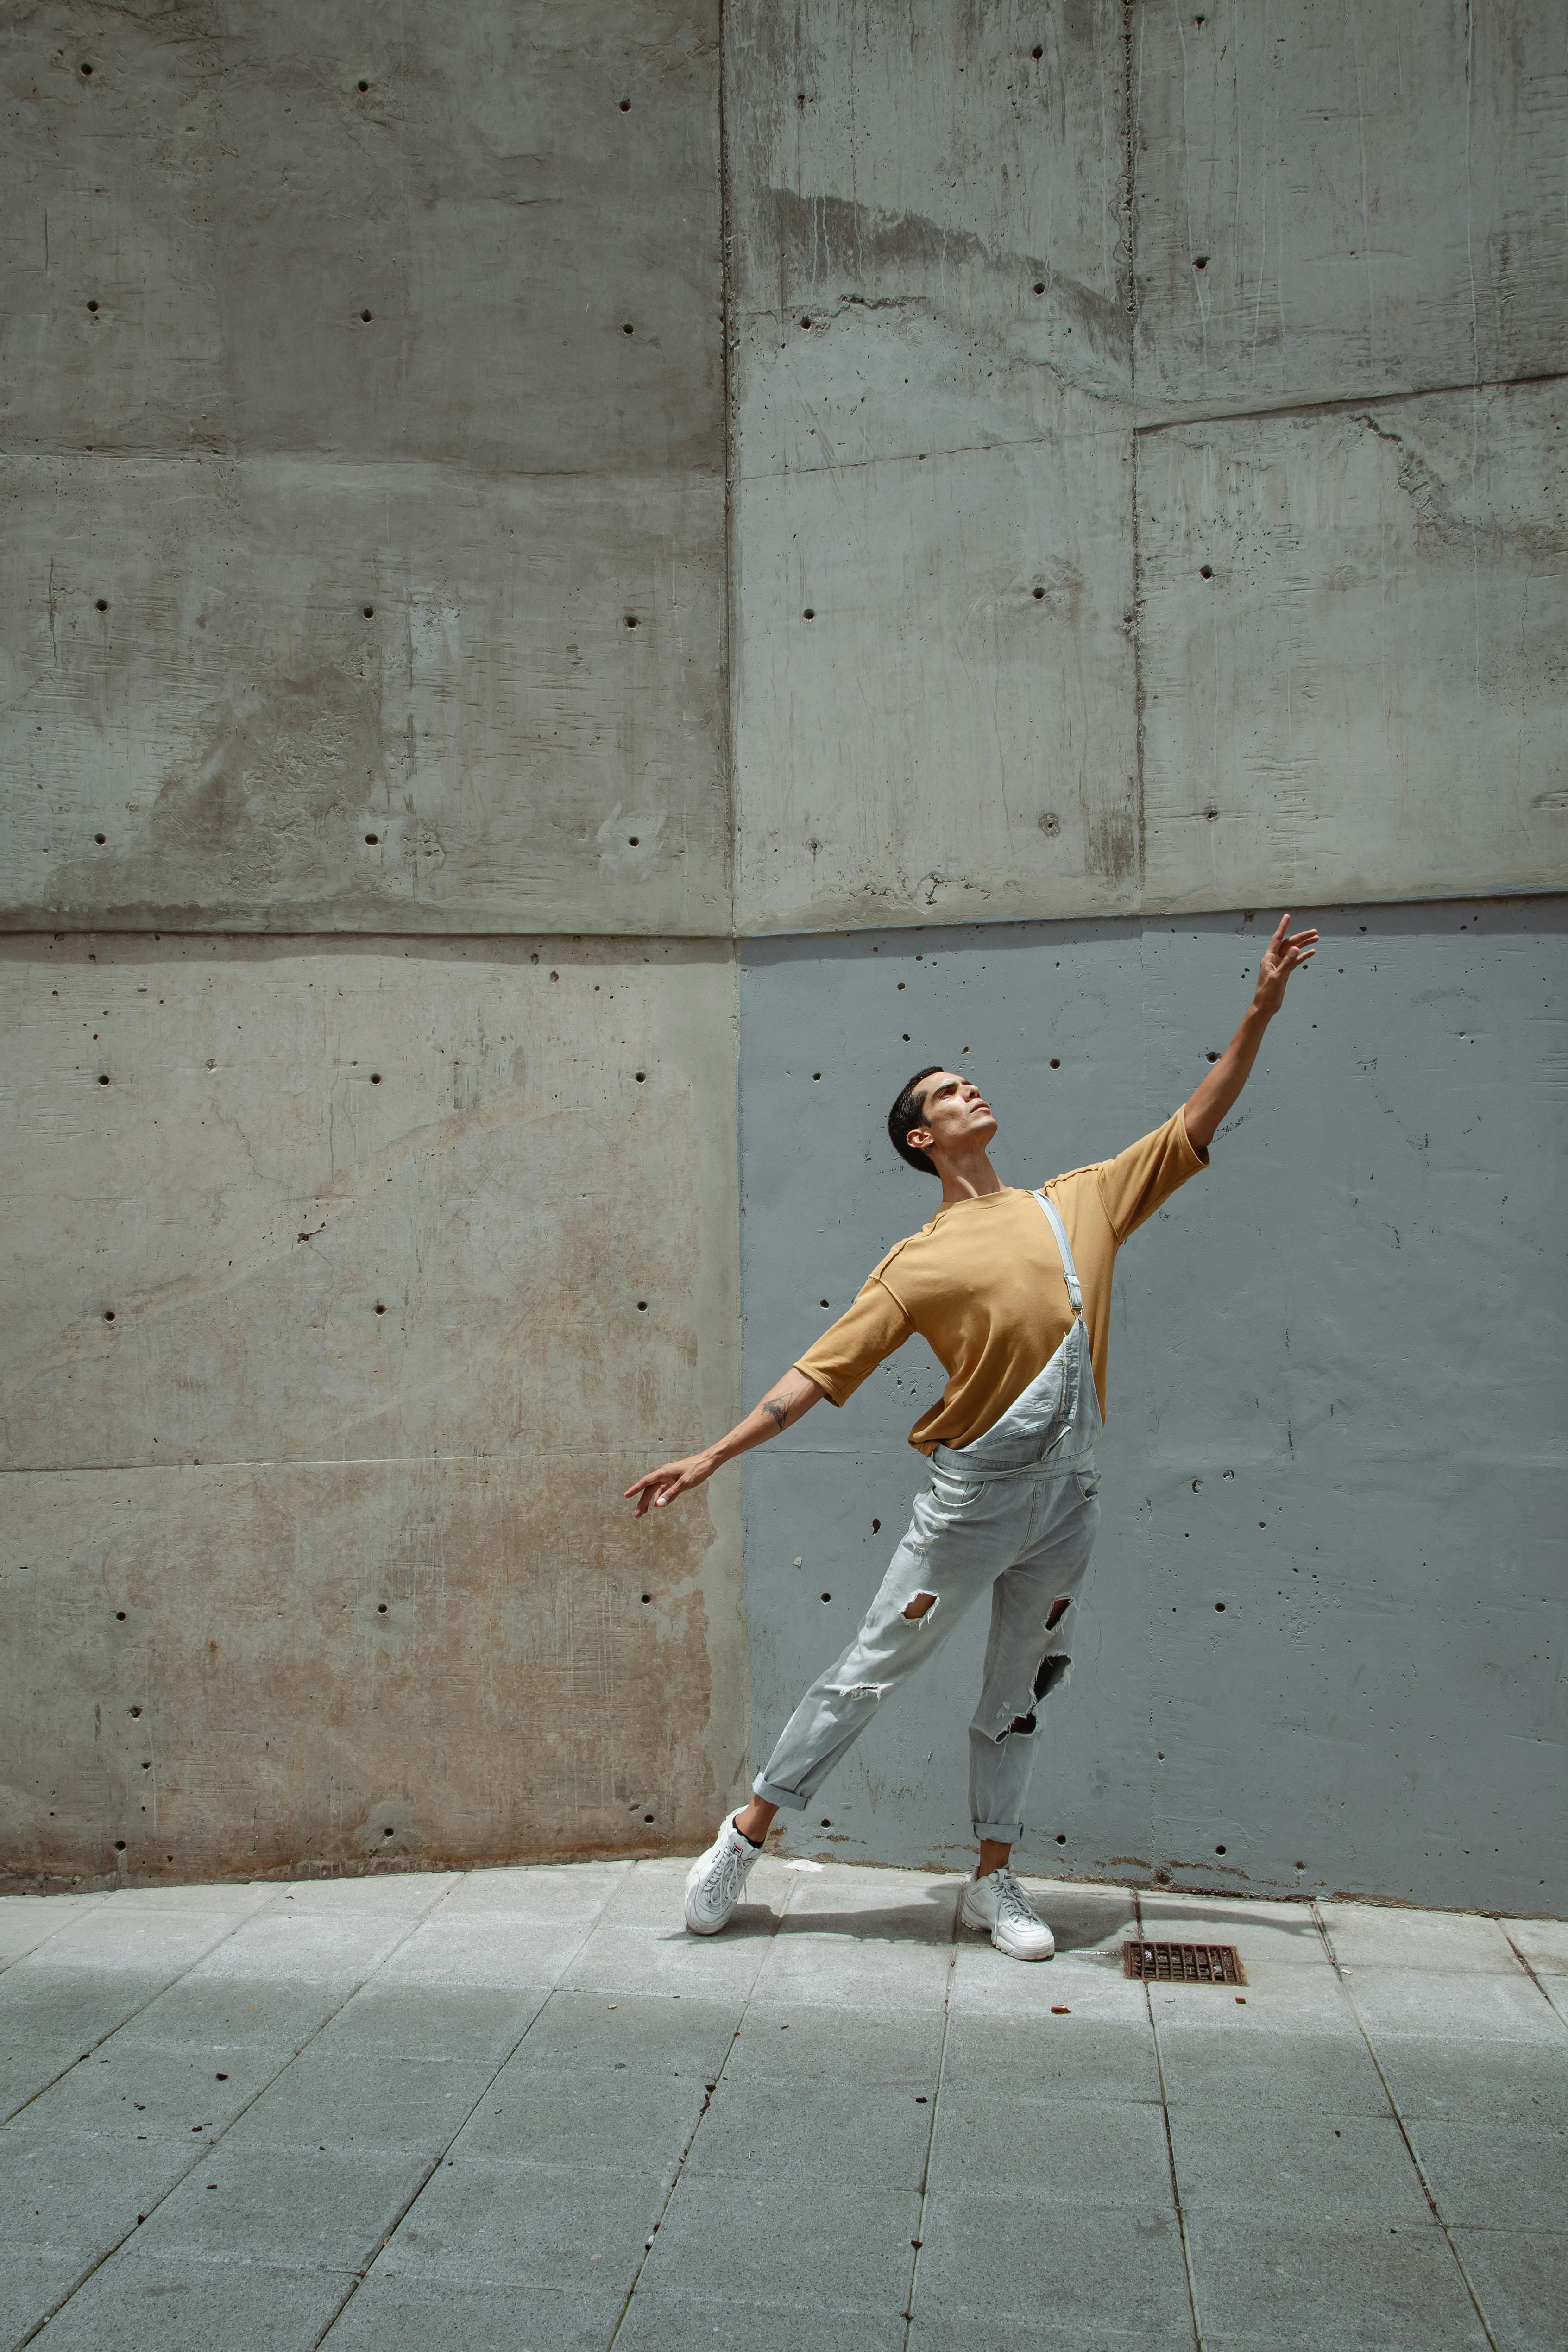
column 1074, row 1292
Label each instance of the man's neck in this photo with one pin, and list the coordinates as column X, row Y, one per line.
column 968, row 1178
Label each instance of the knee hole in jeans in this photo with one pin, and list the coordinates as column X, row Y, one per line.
column 921, row 1605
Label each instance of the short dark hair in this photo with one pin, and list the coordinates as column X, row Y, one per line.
column 909, row 1111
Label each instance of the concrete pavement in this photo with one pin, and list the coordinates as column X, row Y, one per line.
column 521, row 2107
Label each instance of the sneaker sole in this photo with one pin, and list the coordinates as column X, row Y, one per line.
column 983, row 1927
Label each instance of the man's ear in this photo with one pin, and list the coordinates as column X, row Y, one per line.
column 920, row 1138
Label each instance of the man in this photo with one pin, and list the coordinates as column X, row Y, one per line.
column 1012, row 1291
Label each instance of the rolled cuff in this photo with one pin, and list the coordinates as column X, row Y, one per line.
column 1004, row 1832
column 789, row 1800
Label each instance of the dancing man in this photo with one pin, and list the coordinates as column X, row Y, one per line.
column 1013, row 1292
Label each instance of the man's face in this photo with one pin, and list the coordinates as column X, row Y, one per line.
column 956, row 1115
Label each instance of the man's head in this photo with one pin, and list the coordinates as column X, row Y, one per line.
column 937, row 1110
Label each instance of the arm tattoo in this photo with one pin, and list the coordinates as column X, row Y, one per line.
column 778, row 1408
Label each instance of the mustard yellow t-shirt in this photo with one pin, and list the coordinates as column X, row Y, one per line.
column 983, row 1285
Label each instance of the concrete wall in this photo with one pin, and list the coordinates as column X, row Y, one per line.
column 350, row 1282
column 485, row 482
column 363, row 573
column 364, row 467
column 1320, row 1648
column 1066, row 659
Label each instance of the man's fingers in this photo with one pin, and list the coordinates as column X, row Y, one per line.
column 1283, row 925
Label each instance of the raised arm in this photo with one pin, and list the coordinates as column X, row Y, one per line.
column 785, row 1402
column 1208, row 1104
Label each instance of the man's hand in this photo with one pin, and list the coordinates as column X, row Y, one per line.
column 1281, row 957
column 1208, row 1102
column 785, row 1402
column 661, row 1486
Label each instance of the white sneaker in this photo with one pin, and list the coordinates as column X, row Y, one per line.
column 718, row 1880
column 1000, row 1906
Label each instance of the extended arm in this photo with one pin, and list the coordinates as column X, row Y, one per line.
column 785, row 1402
column 1208, row 1102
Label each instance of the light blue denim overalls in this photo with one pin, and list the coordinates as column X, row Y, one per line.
column 1016, row 1511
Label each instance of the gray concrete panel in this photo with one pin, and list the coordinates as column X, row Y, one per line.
column 528, row 1165
column 214, row 1673
column 296, row 1200
column 927, row 225
column 1315, row 1652
column 348, row 696
column 1335, row 200
column 229, row 190
column 935, row 713
column 931, row 359
column 1351, row 651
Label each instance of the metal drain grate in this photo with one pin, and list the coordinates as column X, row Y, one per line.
column 1182, row 1963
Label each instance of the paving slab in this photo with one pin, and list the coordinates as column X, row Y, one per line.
column 395, row 2314
column 29, row 1920
column 957, row 2331
column 540, row 1892
column 28, row 2063
column 1310, row 2074
column 1297, row 2166
column 1278, row 2284
column 1030, row 2059
column 839, row 1967
column 1521, row 2281
column 434, row 2021
column 78, row 2192
column 1284, row 1933
column 80, row 2005
column 873, row 1907
column 796, row 2042
column 141, row 2303
column 1543, row 1943
column 486, row 2222
column 816, row 2246
column 663, row 2323
column 153, row 1943
column 669, row 1960
column 486, row 1949
column 405, row 1894
column 306, row 1947
column 1011, row 2259
column 33, row 2279
column 1365, row 1935
column 650, row 1896
column 678, row 2033
column 1496, row 2177
column 306, row 2208
column 986, row 1983
column 133, row 2091
column 816, row 2129
column 1086, row 2152
column 1471, row 2080
column 609, row 2117
column 352, row 2100
column 216, row 2012
column 1278, row 1997
column 1469, row 2006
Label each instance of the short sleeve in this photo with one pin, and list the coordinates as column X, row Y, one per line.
column 849, row 1350
column 1139, row 1180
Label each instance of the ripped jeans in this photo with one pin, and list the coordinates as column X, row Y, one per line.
column 1015, row 1512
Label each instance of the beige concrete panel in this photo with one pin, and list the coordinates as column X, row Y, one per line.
column 1346, row 198
column 952, row 735
column 342, row 697
column 504, row 191
column 1366, row 697
column 366, row 1199
column 213, row 1673
column 929, row 238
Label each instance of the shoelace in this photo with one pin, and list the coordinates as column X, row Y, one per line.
column 724, row 1886
column 1012, row 1902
